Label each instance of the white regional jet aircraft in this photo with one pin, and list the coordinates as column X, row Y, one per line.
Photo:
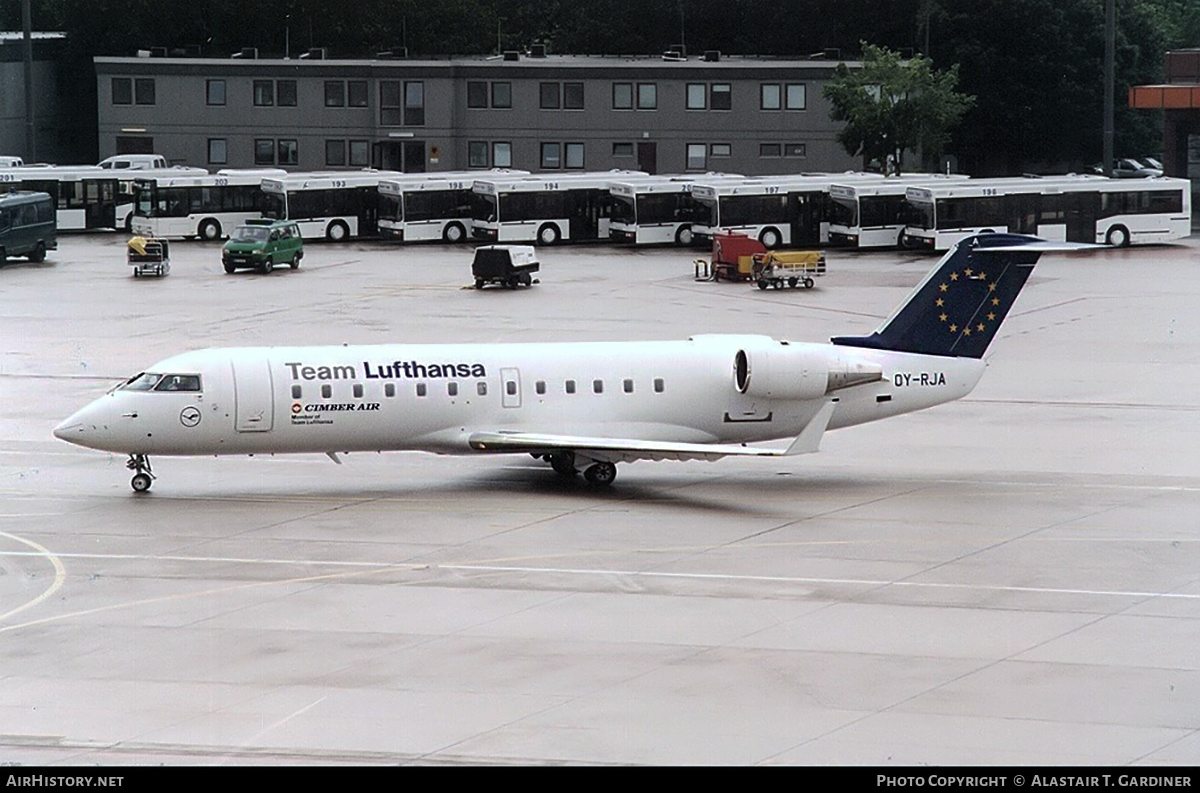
column 576, row 405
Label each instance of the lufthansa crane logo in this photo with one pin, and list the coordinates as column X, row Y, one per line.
column 189, row 416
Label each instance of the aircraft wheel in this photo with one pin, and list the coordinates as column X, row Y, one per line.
column 601, row 474
column 140, row 483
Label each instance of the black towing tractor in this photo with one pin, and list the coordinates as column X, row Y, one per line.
column 506, row 265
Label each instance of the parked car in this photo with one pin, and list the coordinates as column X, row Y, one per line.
column 262, row 243
column 1128, row 168
column 28, row 225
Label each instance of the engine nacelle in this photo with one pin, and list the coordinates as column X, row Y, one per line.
column 780, row 371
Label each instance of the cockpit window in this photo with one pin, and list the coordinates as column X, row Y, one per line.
column 179, row 382
column 141, row 382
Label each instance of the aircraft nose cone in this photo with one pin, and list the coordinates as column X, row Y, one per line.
column 70, row 430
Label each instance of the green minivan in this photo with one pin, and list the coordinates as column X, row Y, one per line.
column 262, row 243
column 28, row 225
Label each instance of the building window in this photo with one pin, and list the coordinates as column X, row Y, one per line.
column 357, row 90
column 550, row 99
column 264, row 151
column 770, row 150
column 264, row 93
column 335, row 93
column 218, row 153
column 719, row 150
column 720, row 96
column 770, row 96
column 622, row 149
column 502, row 155
column 477, row 154
column 502, row 94
column 143, row 91
column 359, row 153
column 289, row 153
column 215, row 92
column 122, row 91
column 573, row 96
column 622, row 96
column 697, row 96
column 696, row 156
column 647, row 97
column 573, row 155
column 414, row 104
column 797, row 97
column 477, row 94
column 389, row 103
column 551, row 155
column 794, row 150
column 285, row 93
column 335, row 152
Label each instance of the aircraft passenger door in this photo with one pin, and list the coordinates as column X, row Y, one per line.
column 253, row 396
column 510, row 388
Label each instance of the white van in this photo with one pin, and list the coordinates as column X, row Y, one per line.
column 10, row 162
column 134, row 162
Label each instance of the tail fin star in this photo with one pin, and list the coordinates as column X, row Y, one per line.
column 958, row 308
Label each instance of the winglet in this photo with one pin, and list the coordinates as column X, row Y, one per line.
column 809, row 438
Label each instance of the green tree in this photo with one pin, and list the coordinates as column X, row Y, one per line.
column 892, row 105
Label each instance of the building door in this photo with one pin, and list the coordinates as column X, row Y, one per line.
column 647, row 157
column 414, row 156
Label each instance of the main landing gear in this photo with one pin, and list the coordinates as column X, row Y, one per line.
column 599, row 474
column 144, row 477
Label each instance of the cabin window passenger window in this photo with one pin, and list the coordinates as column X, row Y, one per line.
column 570, row 386
column 326, row 391
column 481, row 388
column 540, row 386
column 510, row 386
column 297, row 391
column 598, row 386
column 628, row 385
column 421, row 389
column 658, row 385
column 358, row 390
column 389, row 389
column 452, row 389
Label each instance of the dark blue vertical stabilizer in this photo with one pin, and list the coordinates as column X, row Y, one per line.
column 958, row 308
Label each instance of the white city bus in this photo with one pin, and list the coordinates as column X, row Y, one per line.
column 85, row 196
column 208, row 207
column 1075, row 208
column 431, row 206
column 790, row 209
column 874, row 214
column 545, row 208
column 127, row 177
column 658, row 209
column 330, row 204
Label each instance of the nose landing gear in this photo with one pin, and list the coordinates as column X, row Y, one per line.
column 144, row 477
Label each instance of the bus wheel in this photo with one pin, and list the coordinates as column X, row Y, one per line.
column 454, row 233
column 337, row 231
column 684, row 236
column 209, row 230
column 770, row 238
column 548, row 234
column 39, row 253
column 1118, row 236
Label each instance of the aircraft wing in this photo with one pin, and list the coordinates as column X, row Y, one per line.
column 625, row 449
